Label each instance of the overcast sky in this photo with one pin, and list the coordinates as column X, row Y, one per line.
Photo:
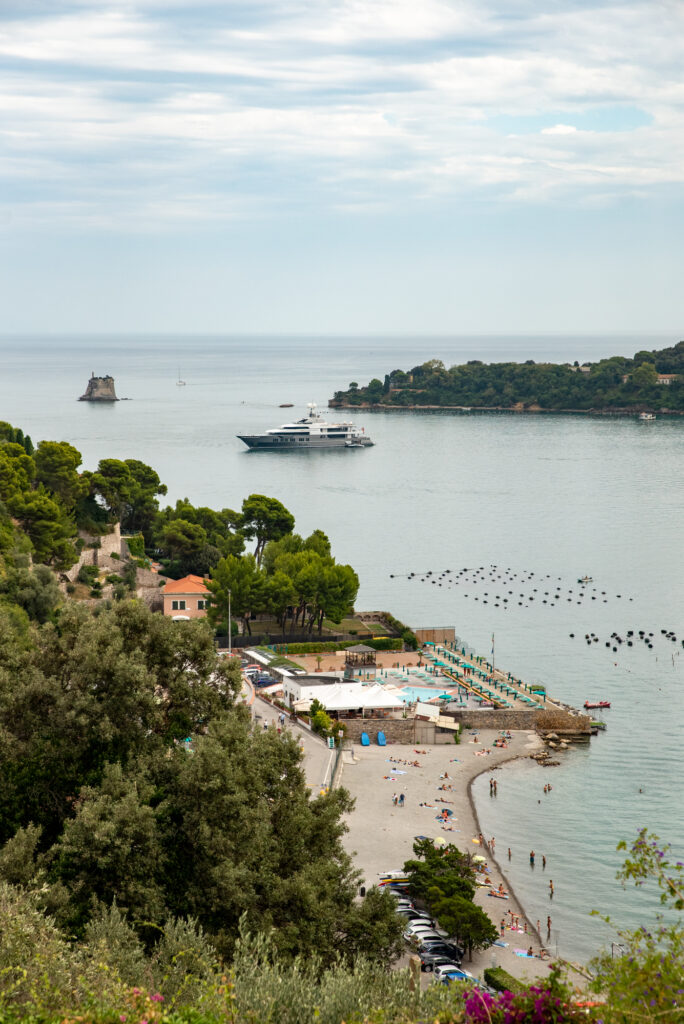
column 414, row 166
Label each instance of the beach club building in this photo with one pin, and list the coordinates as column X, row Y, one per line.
column 186, row 599
column 340, row 698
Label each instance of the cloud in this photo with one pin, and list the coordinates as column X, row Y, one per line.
column 559, row 129
column 127, row 112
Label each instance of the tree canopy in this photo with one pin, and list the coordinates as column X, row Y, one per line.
column 130, row 778
column 617, row 383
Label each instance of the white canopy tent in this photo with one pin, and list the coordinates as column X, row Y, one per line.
column 352, row 697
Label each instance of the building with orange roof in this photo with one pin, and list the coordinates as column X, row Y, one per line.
column 186, row 598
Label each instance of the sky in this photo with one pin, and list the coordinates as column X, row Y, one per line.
column 341, row 166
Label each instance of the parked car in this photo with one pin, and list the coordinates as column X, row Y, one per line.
column 447, row 973
column 421, row 924
column 440, row 947
column 428, row 960
column 417, row 937
column 418, row 924
column 414, row 915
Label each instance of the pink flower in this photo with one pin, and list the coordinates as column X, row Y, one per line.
column 123, row 1018
column 157, row 997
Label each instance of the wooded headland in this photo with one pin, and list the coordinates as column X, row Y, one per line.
column 648, row 382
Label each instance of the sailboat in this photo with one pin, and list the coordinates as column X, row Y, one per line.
column 180, row 383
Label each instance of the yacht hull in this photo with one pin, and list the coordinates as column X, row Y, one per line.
column 290, row 443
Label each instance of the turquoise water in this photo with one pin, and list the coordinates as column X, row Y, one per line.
column 560, row 496
column 414, row 693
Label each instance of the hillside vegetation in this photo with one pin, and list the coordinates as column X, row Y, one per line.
column 618, row 384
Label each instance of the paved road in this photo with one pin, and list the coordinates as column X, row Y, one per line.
column 317, row 757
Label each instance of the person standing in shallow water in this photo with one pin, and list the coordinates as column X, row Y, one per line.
column 531, row 858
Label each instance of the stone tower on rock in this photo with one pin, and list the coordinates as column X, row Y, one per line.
column 100, row 389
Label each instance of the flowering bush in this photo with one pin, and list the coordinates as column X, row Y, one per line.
column 546, row 1003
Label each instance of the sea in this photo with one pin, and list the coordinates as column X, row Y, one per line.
column 538, row 500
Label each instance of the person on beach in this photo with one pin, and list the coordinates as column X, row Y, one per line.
column 548, row 927
column 539, row 928
column 492, row 843
column 532, row 858
column 502, row 927
column 551, row 889
column 509, row 853
column 401, row 799
column 394, row 799
column 543, row 860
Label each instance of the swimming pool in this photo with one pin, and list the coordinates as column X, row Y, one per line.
column 414, row 693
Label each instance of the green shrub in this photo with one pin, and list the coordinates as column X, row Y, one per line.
column 87, row 574
column 71, row 588
column 381, row 643
column 500, row 980
column 136, row 545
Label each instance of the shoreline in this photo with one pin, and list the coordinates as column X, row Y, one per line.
column 469, row 791
column 507, row 410
column 380, row 836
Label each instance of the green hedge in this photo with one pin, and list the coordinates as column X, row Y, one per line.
column 381, row 643
column 136, row 545
column 500, row 980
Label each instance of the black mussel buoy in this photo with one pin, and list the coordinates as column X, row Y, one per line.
column 629, row 643
column 585, row 636
column 615, row 648
column 607, row 644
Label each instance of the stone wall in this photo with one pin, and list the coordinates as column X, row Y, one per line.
column 435, row 634
column 557, row 720
column 108, row 544
column 397, row 730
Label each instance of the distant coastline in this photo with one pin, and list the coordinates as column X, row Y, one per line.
column 466, row 410
column 650, row 381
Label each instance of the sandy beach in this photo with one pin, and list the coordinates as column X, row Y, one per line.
column 381, row 835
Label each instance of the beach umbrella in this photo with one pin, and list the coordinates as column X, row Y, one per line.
column 440, row 841
column 479, row 859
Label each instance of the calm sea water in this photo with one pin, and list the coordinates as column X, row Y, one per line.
column 562, row 496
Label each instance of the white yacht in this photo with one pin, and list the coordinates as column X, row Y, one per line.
column 311, row 432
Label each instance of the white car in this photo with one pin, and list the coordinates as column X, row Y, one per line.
column 422, row 936
column 451, row 972
column 420, row 925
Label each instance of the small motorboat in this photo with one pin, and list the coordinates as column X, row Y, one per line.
column 596, row 704
column 286, row 405
column 585, row 579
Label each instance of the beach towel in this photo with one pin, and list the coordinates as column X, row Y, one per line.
column 504, row 945
column 524, row 954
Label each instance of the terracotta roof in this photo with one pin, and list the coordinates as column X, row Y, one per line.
column 188, row 585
